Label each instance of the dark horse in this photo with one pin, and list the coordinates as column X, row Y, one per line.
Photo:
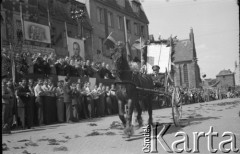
column 127, row 92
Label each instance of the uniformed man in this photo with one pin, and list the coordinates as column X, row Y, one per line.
column 158, row 78
column 158, row 81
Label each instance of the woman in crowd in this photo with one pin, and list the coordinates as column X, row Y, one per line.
column 29, row 61
column 51, row 62
column 88, row 99
column 108, row 101
column 95, row 97
column 113, row 98
column 60, row 104
column 75, row 98
column 51, row 88
column 82, row 109
column 102, row 96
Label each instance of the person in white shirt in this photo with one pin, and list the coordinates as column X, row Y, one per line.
column 39, row 92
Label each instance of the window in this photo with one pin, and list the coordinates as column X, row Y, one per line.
column 110, row 19
column 100, row 43
column 185, row 73
column 100, row 15
column 135, row 7
column 120, row 22
column 136, row 29
column 128, row 23
column 142, row 31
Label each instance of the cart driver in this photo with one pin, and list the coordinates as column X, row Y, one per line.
column 158, row 78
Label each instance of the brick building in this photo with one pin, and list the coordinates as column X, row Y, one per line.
column 101, row 18
column 107, row 16
column 187, row 72
column 226, row 79
column 36, row 11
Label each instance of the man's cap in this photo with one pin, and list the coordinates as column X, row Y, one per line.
column 155, row 68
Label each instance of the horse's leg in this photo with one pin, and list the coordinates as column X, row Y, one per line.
column 129, row 130
column 129, row 113
column 121, row 112
column 150, row 119
column 139, row 112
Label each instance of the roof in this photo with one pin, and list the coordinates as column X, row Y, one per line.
column 141, row 16
column 225, row 72
column 183, row 51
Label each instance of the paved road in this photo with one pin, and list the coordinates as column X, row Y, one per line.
column 221, row 115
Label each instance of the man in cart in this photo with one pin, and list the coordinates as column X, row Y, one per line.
column 158, row 78
column 159, row 82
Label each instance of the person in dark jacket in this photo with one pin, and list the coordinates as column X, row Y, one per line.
column 24, row 93
column 103, row 71
column 6, row 96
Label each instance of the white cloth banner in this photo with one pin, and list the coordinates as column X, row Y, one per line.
column 158, row 54
column 76, row 47
column 36, row 32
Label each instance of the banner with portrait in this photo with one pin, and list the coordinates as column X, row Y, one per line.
column 37, row 32
column 75, row 47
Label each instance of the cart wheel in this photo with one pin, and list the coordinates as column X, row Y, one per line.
column 176, row 112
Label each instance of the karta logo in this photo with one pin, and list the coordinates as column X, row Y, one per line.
column 152, row 138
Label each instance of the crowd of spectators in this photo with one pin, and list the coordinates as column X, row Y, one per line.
column 27, row 63
column 22, row 102
column 23, row 105
column 200, row 95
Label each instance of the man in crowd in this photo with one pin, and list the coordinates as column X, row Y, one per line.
column 89, row 70
column 6, row 96
column 38, row 93
column 32, row 100
column 67, row 100
column 6, row 63
column 103, row 70
column 24, row 94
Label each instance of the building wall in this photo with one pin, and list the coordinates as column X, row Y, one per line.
column 180, row 79
column 237, row 75
column 226, row 81
column 57, row 22
column 99, row 29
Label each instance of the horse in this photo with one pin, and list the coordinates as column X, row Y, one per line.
column 126, row 90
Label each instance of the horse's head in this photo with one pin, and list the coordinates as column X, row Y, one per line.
column 120, row 60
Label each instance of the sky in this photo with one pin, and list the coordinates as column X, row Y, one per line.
column 215, row 25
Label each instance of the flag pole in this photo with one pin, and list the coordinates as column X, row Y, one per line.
column 66, row 35
column 22, row 21
column 13, row 64
column 126, row 40
column 49, row 25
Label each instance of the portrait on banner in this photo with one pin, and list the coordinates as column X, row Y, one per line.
column 76, row 48
column 36, row 32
